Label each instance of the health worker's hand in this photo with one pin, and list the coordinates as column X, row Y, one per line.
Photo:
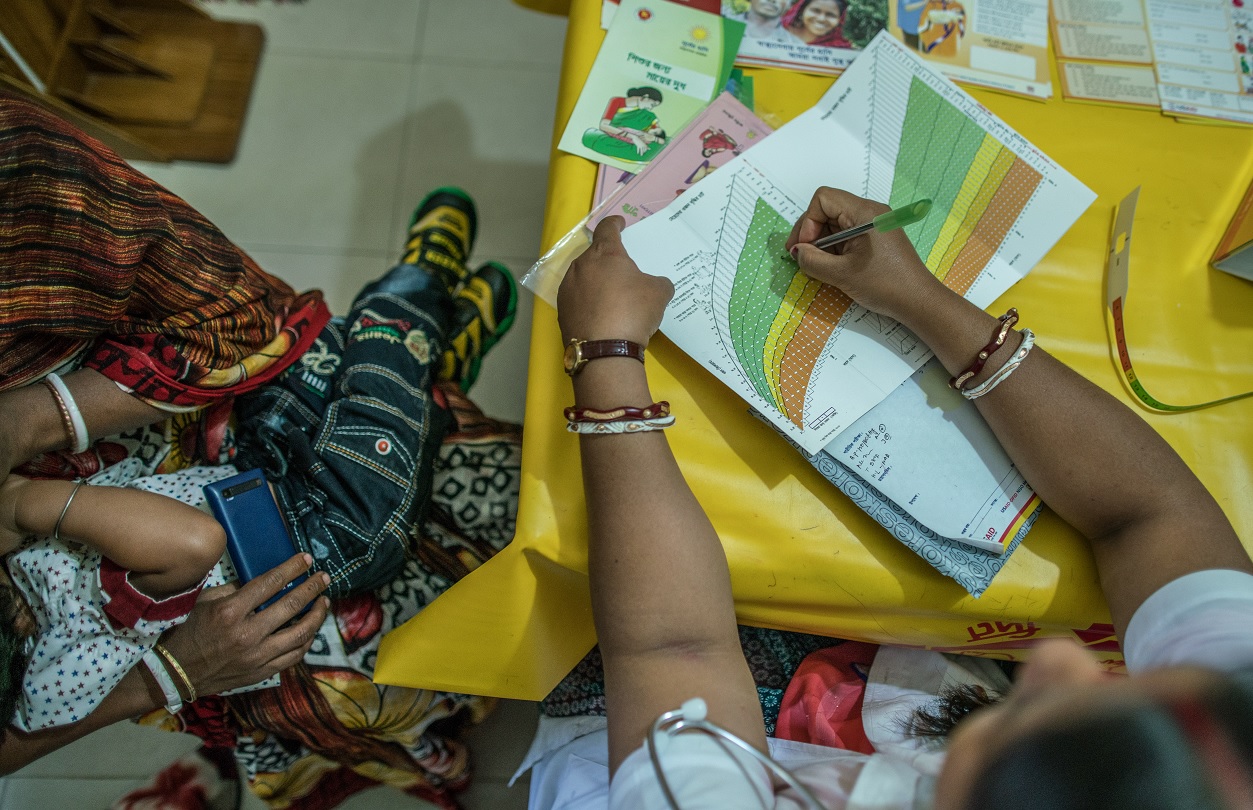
column 880, row 271
column 604, row 296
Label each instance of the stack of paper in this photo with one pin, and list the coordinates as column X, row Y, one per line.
column 1190, row 58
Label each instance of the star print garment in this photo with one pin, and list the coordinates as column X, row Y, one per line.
column 93, row 627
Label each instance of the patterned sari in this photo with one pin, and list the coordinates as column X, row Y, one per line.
column 328, row 731
column 102, row 268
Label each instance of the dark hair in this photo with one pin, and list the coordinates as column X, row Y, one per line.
column 950, row 707
column 13, row 656
column 1145, row 756
column 645, row 92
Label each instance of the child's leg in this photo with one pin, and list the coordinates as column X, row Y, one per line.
column 352, row 471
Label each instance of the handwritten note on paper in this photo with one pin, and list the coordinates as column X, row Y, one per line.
column 929, row 451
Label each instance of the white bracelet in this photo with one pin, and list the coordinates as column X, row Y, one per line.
column 1011, row 365
column 623, row 426
column 81, row 440
column 173, row 700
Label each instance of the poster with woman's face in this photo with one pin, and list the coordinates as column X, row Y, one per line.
column 821, row 36
column 997, row 45
column 1000, row 45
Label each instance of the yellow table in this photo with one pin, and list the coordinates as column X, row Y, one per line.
column 802, row 556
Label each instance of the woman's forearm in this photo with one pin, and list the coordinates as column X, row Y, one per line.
column 106, row 410
column 134, row 695
column 1065, row 435
column 659, row 572
column 1093, row 460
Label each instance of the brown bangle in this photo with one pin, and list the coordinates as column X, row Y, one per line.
column 578, row 414
column 67, row 421
column 579, row 352
column 1007, row 322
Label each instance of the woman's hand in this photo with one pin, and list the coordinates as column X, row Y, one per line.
column 880, row 271
column 604, row 296
column 225, row 643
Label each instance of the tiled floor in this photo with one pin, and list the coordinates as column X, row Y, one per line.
column 359, row 109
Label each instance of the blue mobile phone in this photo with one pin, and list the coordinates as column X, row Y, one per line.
column 256, row 537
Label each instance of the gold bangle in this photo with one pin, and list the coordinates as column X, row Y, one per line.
column 190, row 697
column 56, row 530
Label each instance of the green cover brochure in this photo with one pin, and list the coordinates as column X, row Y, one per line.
column 660, row 65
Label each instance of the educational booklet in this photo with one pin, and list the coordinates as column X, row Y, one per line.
column 743, row 126
column 1235, row 250
column 891, row 129
column 724, row 130
column 660, row 65
column 992, row 43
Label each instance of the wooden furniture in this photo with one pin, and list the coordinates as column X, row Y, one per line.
column 154, row 79
column 804, row 557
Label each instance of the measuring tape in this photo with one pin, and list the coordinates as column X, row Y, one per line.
column 1116, row 279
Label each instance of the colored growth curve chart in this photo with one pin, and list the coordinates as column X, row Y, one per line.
column 978, row 186
column 892, row 129
column 776, row 319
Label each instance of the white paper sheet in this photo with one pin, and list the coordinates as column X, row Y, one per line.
column 892, row 129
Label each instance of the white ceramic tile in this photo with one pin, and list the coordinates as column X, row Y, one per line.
column 500, row 390
column 483, row 795
column 386, row 798
column 317, row 164
column 340, row 277
column 122, row 750
column 498, row 744
column 488, row 131
column 484, row 31
column 58, row 794
column 380, row 28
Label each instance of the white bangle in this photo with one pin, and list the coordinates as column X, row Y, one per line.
column 173, row 700
column 81, row 439
column 1011, row 365
column 622, row 426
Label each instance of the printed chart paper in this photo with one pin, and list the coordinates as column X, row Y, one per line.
column 892, row 129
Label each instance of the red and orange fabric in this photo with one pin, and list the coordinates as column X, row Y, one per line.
column 102, row 266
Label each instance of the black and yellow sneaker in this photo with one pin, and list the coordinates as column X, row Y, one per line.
column 485, row 307
column 441, row 234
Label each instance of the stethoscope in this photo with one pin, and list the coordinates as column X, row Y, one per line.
column 691, row 716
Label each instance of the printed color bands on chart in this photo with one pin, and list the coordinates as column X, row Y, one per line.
column 780, row 319
column 981, row 184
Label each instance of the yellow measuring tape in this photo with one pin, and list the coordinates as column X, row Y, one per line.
column 1116, row 280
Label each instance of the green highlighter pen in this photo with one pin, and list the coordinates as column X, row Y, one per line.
column 896, row 218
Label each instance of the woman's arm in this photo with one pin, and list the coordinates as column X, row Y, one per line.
column 106, row 410
column 1089, row 457
column 224, row 644
column 661, row 590
column 167, row 545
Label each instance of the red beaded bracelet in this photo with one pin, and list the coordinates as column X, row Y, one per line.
column 1007, row 322
column 655, row 411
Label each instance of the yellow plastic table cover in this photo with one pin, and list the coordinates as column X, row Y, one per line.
column 802, row 556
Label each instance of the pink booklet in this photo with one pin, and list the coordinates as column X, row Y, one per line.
column 725, row 129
